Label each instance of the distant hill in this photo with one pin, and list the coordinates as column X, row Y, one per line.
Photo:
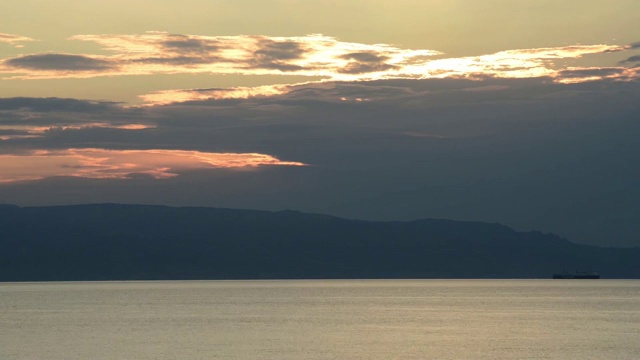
column 126, row 242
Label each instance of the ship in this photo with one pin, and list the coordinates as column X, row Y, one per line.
column 577, row 275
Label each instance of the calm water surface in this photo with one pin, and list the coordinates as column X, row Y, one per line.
column 394, row 319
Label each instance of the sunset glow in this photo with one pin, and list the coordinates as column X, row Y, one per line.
column 121, row 164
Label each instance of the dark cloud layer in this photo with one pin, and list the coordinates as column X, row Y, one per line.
column 56, row 104
column 62, row 62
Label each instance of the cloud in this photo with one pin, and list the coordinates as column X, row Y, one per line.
column 283, row 124
column 631, row 59
column 520, row 63
column 23, row 131
column 330, row 91
column 278, row 55
column 59, row 62
column 182, row 44
column 31, row 118
column 590, row 72
column 365, row 62
column 164, row 53
column 5, row 137
column 122, row 164
column 56, row 104
column 14, row 40
column 635, row 45
column 312, row 55
column 188, row 95
column 574, row 75
column 362, row 91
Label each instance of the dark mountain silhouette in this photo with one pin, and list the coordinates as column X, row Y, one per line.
column 124, row 242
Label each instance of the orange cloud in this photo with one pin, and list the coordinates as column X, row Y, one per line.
column 121, row 164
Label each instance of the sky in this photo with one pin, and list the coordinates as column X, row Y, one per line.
column 525, row 113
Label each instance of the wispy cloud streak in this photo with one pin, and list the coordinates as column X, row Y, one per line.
column 186, row 95
column 121, row 164
column 631, row 59
column 32, row 131
column 14, row 40
column 635, row 45
column 59, row 62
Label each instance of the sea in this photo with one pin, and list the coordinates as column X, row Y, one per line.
column 321, row 319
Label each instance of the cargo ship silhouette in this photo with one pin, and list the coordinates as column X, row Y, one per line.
column 577, row 275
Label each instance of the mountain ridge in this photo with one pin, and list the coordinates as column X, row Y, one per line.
column 154, row 242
